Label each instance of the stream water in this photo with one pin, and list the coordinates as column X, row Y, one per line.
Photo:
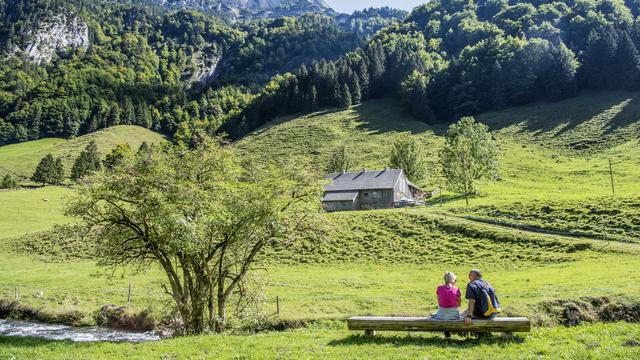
column 65, row 332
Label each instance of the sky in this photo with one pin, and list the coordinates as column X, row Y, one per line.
column 348, row 6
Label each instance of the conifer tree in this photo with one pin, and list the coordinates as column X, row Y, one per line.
column 57, row 175
column 313, row 99
column 44, row 171
column 354, row 86
column 626, row 66
column 344, row 99
column 9, row 182
column 87, row 162
column 363, row 75
column 50, row 170
column 128, row 112
column 497, row 87
column 114, row 117
column 598, row 58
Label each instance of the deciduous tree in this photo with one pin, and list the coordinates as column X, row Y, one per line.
column 199, row 215
column 469, row 154
column 408, row 154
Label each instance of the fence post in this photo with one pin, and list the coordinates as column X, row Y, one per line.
column 278, row 305
column 129, row 296
column 613, row 189
column 17, row 293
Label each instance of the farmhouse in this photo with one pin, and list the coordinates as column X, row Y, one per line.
column 375, row 189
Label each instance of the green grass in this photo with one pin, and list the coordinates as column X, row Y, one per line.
column 321, row 291
column 601, row 341
column 608, row 218
column 546, row 149
column 366, row 130
column 26, row 211
column 412, row 236
column 21, row 159
column 388, row 262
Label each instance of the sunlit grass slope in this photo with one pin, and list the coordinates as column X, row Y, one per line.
column 549, row 151
column 25, row 211
column 22, row 159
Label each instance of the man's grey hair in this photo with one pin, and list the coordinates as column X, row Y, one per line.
column 449, row 277
column 477, row 272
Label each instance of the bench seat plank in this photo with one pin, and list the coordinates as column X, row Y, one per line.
column 382, row 323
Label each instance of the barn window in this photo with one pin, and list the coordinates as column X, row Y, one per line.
column 375, row 195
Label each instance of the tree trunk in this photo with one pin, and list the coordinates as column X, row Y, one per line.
column 466, row 194
column 212, row 308
column 221, row 319
column 197, row 318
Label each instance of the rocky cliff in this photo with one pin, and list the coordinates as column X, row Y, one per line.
column 57, row 34
column 242, row 9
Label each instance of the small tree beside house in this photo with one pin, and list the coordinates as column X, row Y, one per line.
column 407, row 153
column 339, row 161
column 469, row 154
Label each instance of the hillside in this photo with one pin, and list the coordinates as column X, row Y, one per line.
column 385, row 262
column 22, row 159
column 366, row 131
column 548, row 150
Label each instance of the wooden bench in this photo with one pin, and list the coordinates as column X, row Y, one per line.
column 371, row 324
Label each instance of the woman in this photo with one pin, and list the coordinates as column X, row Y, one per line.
column 449, row 299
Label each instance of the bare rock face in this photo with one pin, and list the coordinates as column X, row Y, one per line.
column 203, row 67
column 55, row 35
column 236, row 9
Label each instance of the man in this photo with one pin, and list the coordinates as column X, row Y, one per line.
column 483, row 302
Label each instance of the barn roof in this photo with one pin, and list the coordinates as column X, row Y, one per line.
column 363, row 180
column 340, row 196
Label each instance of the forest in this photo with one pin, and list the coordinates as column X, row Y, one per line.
column 145, row 65
column 445, row 60
column 450, row 59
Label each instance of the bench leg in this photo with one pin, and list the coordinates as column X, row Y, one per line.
column 369, row 333
column 508, row 335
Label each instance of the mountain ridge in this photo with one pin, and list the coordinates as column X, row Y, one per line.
column 251, row 9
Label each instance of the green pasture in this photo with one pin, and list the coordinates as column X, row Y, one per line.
column 598, row 341
column 554, row 175
column 31, row 210
column 546, row 151
column 21, row 159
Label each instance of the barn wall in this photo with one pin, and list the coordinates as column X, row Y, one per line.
column 376, row 199
column 338, row 206
column 402, row 187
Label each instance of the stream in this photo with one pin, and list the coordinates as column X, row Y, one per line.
column 65, row 332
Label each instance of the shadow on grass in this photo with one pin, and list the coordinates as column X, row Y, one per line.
column 444, row 199
column 409, row 340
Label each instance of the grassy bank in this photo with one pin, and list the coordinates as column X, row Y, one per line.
column 601, row 341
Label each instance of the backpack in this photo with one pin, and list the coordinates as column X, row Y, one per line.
column 489, row 304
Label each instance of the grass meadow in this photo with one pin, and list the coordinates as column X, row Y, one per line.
column 598, row 341
column 554, row 175
column 22, row 159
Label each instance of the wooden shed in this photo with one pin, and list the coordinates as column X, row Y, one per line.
column 374, row 189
